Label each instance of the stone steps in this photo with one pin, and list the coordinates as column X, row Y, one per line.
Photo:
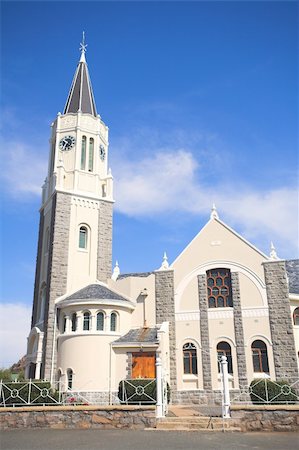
column 193, row 423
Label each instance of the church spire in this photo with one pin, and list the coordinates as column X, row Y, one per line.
column 80, row 98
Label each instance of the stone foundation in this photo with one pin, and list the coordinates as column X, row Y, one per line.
column 61, row 417
column 265, row 418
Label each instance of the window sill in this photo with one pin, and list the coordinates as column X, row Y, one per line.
column 190, row 377
column 261, row 375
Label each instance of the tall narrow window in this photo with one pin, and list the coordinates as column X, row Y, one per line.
column 83, row 237
column 91, row 152
column 224, row 349
column 86, row 321
column 42, row 304
column 219, row 288
column 74, row 322
column 296, row 316
column 100, row 321
column 113, row 320
column 69, row 378
column 83, row 153
column 64, row 324
column 259, row 357
column 190, row 358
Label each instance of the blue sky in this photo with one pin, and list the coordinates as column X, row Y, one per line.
column 201, row 102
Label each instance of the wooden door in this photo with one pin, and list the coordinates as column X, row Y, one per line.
column 143, row 365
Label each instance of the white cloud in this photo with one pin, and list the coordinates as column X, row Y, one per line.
column 170, row 181
column 25, row 168
column 15, row 327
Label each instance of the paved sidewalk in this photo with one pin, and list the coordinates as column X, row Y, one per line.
column 37, row 439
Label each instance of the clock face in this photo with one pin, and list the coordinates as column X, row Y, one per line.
column 67, row 142
column 102, row 152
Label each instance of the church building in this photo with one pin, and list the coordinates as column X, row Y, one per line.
column 93, row 326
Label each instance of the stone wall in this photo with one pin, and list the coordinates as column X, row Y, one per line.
column 239, row 333
column 204, row 333
column 265, row 418
column 284, row 352
column 57, row 271
column 36, row 298
column 104, row 262
column 110, row 417
column 165, row 312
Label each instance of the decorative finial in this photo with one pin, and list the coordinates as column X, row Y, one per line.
column 273, row 254
column 83, row 48
column 165, row 264
column 214, row 213
column 116, row 271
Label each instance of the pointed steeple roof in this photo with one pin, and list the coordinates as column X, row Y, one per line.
column 81, row 97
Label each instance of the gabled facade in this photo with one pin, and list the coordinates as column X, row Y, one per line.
column 92, row 328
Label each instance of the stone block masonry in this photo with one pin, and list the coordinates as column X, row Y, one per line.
column 265, row 418
column 57, row 272
column 204, row 333
column 239, row 332
column 104, row 261
column 36, row 298
column 165, row 312
column 283, row 344
column 84, row 417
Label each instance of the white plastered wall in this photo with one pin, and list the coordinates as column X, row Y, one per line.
column 145, row 305
column 217, row 246
column 95, row 365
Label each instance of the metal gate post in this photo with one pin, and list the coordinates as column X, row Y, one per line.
column 225, row 384
column 159, row 387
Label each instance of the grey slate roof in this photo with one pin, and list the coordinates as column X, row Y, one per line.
column 292, row 267
column 81, row 97
column 136, row 274
column 95, row 292
column 139, row 335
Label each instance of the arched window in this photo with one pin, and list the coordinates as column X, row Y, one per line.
column 113, row 321
column 86, row 321
column 219, row 288
column 190, row 358
column 100, row 321
column 69, row 378
column 296, row 316
column 74, row 322
column 83, row 234
column 83, row 153
column 224, row 349
column 259, row 357
column 91, row 152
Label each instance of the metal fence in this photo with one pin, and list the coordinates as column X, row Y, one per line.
column 268, row 392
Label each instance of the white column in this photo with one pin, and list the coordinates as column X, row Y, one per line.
column 225, row 384
column 159, row 405
column 37, row 370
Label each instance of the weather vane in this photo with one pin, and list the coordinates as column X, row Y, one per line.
column 82, row 44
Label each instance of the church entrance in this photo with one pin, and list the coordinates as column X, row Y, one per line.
column 143, row 365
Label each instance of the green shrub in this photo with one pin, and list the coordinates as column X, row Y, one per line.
column 139, row 391
column 22, row 393
column 271, row 392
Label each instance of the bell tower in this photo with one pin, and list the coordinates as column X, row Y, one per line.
column 75, row 232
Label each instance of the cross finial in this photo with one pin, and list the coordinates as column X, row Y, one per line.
column 83, row 47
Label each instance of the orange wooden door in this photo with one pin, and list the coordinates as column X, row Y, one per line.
column 143, row 365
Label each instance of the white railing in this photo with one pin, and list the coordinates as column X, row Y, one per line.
column 264, row 391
